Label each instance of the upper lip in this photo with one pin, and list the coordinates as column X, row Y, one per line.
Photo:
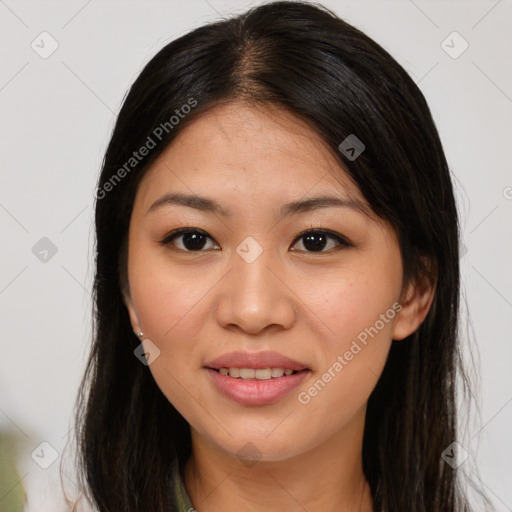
column 267, row 359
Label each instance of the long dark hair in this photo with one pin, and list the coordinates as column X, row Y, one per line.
column 303, row 58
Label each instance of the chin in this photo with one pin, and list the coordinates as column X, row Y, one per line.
column 252, row 448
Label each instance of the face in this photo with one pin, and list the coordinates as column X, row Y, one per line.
column 264, row 276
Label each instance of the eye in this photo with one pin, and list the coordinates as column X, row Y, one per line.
column 321, row 240
column 189, row 240
column 312, row 240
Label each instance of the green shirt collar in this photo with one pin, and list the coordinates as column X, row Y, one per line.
column 180, row 492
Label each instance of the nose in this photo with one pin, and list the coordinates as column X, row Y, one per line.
column 254, row 299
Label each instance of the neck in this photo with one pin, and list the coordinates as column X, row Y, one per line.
column 327, row 478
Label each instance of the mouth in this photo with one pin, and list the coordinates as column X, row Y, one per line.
column 254, row 391
column 259, row 365
column 256, row 378
column 255, row 373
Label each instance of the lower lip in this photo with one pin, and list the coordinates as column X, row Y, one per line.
column 255, row 391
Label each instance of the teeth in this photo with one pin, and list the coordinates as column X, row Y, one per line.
column 263, row 373
column 247, row 373
column 255, row 373
column 277, row 372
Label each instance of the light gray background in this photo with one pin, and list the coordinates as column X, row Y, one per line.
column 57, row 115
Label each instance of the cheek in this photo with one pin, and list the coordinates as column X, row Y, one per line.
column 360, row 311
column 355, row 302
column 168, row 301
column 171, row 306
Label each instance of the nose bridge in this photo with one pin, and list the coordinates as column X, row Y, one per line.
column 253, row 297
column 253, row 277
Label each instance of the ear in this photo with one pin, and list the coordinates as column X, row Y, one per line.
column 134, row 319
column 416, row 299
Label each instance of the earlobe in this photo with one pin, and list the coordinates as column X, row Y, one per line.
column 416, row 303
column 133, row 314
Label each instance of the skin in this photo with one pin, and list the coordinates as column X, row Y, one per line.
column 310, row 306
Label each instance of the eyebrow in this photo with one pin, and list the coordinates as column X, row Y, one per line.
column 295, row 207
column 192, row 201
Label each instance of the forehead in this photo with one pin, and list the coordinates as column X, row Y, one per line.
column 238, row 149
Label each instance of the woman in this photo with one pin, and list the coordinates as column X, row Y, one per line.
column 277, row 280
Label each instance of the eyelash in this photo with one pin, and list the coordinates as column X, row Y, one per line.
column 343, row 242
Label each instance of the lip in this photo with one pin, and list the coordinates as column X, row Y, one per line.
column 254, row 391
column 266, row 359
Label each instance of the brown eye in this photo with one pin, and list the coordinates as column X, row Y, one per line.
column 321, row 241
column 190, row 240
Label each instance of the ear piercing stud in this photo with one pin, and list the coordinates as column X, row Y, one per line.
column 139, row 334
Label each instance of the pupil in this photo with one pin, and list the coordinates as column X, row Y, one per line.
column 193, row 241
column 315, row 242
